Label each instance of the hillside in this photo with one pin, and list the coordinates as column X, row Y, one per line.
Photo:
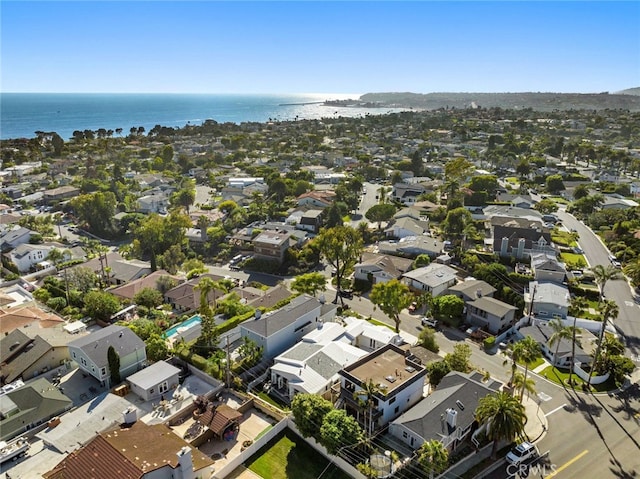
column 629, row 91
column 536, row 101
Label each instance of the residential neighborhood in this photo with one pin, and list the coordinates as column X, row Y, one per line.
column 177, row 302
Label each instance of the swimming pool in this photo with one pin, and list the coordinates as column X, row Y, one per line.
column 183, row 326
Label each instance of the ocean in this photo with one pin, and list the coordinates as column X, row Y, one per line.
column 22, row 114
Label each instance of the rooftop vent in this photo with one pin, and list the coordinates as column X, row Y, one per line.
column 391, row 379
column 410, row 369
column 460, row 405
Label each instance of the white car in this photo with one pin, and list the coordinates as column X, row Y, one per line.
column 427, row 321
column 521, row 453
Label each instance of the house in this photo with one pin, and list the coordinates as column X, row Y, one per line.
column 22, row 357
column 407, row 194
column 471, row 289
column 549, row 300
column 375, row 268
column 546, row 267
column 616, row 201
column 30, row 405
column 311, row 221
column 116, row 270
column 277, row 331
column 135, row 451
column 154, row 381
column 312, row 365
column 186, row 297
column 20, row 317
column 490, row 314
column 90, row 352
column 61, row 193
column 434, row 278
column 542, row 332
column 447, row 414
column 520, row 238
column 399, row 379
column 15, row 295
column 14, row 237
column 153, row 203
column 412, row 246
column 316, row 199
column 27, row 256
column 129, row 290
column 407, row 226
column 271, row 245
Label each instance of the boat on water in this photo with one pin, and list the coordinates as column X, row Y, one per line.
column 13, row 449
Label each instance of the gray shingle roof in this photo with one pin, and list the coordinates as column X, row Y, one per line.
column 492, row 306
column 268, row 325
column 95, row 345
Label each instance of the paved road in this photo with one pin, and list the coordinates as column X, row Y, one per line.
column 628, row 321
column 367, row 200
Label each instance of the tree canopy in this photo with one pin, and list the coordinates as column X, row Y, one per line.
column 391, row 297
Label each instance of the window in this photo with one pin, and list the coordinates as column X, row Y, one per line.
column 404, row 434
column 73, row 354
column 163, row 387
column 395, row 411
column 103, row 371
column 392, row 400
column 151, row 391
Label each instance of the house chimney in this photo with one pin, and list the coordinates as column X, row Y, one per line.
column 478, row 293
column 185, row 464
column 130, row 415
column 452, row 415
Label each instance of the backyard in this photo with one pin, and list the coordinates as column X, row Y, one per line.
column 288, row 457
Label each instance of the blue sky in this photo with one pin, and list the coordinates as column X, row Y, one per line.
column 319, row 47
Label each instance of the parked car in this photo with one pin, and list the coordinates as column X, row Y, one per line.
column 346, row 293
column 427, row 321
column 412, row 307
column 521, row 453
column 577, row 250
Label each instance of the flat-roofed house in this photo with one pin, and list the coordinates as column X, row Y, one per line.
column 271, row 245
column 434, row 278
column 154, row 381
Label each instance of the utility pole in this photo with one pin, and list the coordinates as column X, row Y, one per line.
column 227, row 364
column 533, row 294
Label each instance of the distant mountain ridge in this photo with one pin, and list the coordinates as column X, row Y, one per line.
column 626, row 100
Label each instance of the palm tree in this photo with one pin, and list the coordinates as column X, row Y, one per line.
column 504, row 417
column 515, row 353
column 602, row 275
column 560, row 332
column 522, row 384
column 609, row 310
column 632, row 270
column 433, row 457
column 366, row 399
column 531, row 353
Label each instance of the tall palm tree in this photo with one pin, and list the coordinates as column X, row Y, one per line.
column 531, row 353
column 522, row 384
column 609, row 310
column 503, row 415
column 514, row 354
column 603, row 274
column 366, row 398
column 433, row 457
column 632, row 270
column 560, row 332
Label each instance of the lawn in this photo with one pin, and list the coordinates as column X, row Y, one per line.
column 289, row 457
column 561, row 376
column 563, row 238
column 574, row 259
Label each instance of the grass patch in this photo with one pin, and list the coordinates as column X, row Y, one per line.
column 511, row 179
column 380, row 323
column 266, row 430
column 564, row 238
column 265, row 397
column 561, row 376
column 289, row 457
column 533, row 365
column 559, row 199
column 574, row 259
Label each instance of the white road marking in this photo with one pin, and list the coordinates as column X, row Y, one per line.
column 555, row 410
column 544, row 397
column 630, row 304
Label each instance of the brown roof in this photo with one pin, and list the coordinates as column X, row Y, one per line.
column 97, row 460
column 128, row 452
column 132, row 288
column 186, row 296
column 18, row 318
column 220, row 418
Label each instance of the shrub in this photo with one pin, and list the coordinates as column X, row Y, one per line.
column 489, row 342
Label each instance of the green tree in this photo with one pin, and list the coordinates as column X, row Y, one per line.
column 208, row 334
column 560, row 332
column 487, row 183
column 391, row 297
column 156, row 234
column 100, row 305
column 455, row 222
column 156, row 347
column 604, row 274
column 341, row 247
column 460, row 358
column 334, row 216
column 530, row 354
column 380, row 212
column 433, row 457
column 522, row 384
column 148, row 297
column 554, row 184
column 366, row 398
column 504, row 417
column 581, row 191
column 427, row 339
column 81, row 278
column 309, row 411
column 436, row 370
column 448, row 307
column 546, row 206
column 338, row 430
column 309, row 283
column 421, row 261
column 113, row 360
column 96, row 210
column 609, row 309
column 632, row 270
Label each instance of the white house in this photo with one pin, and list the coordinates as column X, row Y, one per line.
column 491, row 314
column 155, row 203
column 550, row 300
column 546, row 267
column 90, row 352
column 154, row 381
column 407, row 226
column 26, row 256
column 277, row 331
column 434, row 278
column 376, row 268
column 399, row 379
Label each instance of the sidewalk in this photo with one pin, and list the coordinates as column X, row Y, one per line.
column 537, row 424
